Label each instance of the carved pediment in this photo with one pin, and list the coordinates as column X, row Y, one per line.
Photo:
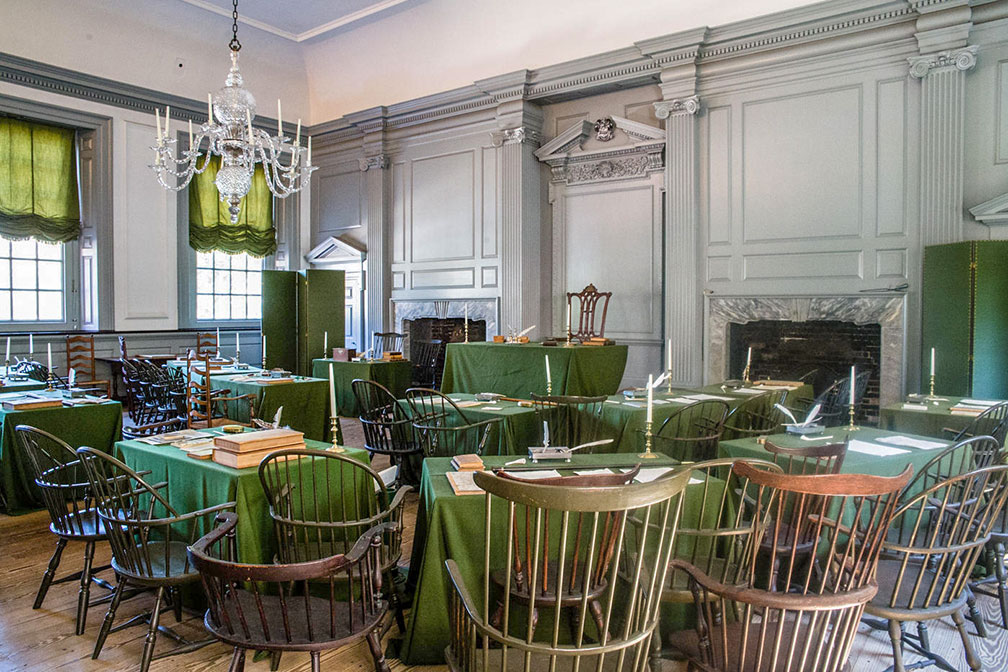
column 992, row 212
column 574, row 160
column 333, row 250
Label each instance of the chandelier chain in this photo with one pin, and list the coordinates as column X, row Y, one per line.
column 234, row 43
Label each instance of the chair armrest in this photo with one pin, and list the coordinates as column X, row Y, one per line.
column 400, row 497
column 455, row 576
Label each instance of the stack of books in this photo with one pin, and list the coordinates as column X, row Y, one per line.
column 30, row 402
column 598, row 340
column 247, row 450
column 969, row 409
column 392, row 356
column 467, row 462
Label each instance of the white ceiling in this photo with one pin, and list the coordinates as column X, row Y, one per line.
column 301, row 20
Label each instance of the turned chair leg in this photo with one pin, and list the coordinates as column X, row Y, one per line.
column 1002, row 581
column 896, row 636
column 84, row 594
column 974, row 613
column 971, row 658
column 151, row 638
column 176, row 597
column 109, row 616
column 237, row 661
column 396, row 604
column 275, row 661
column 316, row 662
column 381, row 665
column 50, row 573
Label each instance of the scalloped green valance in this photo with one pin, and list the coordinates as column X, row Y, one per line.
column 210, row 226
column 38, row 182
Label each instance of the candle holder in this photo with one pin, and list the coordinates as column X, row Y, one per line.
column 850, row 414
column 237, row 358
column 932, row 397
column 549, row 388
column 50, row 381
column 647, row 454
column 337, row 434
column 668, row 383
column 467, row 330
column 745, row 375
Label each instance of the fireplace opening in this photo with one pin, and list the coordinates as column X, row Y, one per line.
column 816, row 351
column 445, row 329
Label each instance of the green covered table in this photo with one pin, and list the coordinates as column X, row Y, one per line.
column 452, row 526
column 96, row 425
column 396, row 376
column 195, row 484
column 227, row 370
column 21, row 385
column 856, row 461
column 305, row 402
column 931, row 421
column 517, row 370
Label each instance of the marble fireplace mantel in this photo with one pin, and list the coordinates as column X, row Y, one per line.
column 886, row 310
column 479, row 309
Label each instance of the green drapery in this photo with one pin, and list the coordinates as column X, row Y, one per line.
column 210, row 226
column 38, row 182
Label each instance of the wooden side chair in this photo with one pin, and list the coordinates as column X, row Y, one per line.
column 149, row 540
column 206, row 344
column 935, row 539
column 692, row 433
column 322, row 511
column 60, row 477
column 207, row 407
column 386, row 341
column 565, row 544
column 809, row 459
column 756, row 416
column 388, row 429
column 291, row 606
column 992, row 422
column 744, row 624
column 590, row 320
column 80, row 358
column 570, row 420
column 441, row 427
column 428, row 365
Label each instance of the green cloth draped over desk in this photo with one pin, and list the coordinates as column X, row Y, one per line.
column 396, row 376
column 194, row 484
column 305, row 402
column 452, row 526
column 930, row 422
column 518, row 370
column 96, row 425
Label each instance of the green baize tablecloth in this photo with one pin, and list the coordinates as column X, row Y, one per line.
column 930, row 422
column 396, row 376
column 305, row 402
column 517, row 370
column 452, row 526
column 95, row 425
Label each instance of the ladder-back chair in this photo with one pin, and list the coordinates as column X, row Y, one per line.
column 207, row 407
column 291, row 606
column 692, row 433
column 80, row 357
column 599, row 573
column 429, row 364
column 206, row 344
column 744, row 624
column 588, row 312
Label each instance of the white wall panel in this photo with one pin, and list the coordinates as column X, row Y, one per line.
column 891, row 173
column 443, row 223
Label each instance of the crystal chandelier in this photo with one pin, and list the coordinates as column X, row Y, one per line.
column 239, row 146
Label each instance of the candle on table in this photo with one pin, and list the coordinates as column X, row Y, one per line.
column 325, row 343
column 7, row 357
column 31, row 344
column 668, row 355
column 650, row 398
column 932, row 362
column 297, row 136
column 49, row 354
column 263, row 346
column 748, row 359
column 851, row 402
column 237, row 342
column 309, row 151
column 568, row 319
column 549, row 379
column 332, row 393
column 218, row 339
column 467, row 313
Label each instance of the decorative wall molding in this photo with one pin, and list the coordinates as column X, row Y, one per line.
column 509, row 136
column 992, row 212
column 380, row 161
column 957, row 59
column 666, row 108
column 571, row 163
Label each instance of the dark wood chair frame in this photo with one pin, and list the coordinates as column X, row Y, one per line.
column 206, row 344
column 388, row 429
column 692, row 433
column 80, row 357
column 756, row 416
column 207, row 407
column 434, row 414
column 429, row 364
column 588, row 301
column 386, row 341
column 570, row 420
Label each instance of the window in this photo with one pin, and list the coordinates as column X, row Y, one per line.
column 32, row 281
column 228, row 286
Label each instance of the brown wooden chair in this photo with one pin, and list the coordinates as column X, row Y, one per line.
column 388, row 429
column 756, row 416
column 744, row 623
column 570, row 421
column 208, row 407
column 441, row 427
column 206, row 344
column 935, row 539
column 566, row 545
column 386, row 341
column 322, row 511
column 293, row 606
column 149, row 540
column 692, row 433
column 587, row 311
column 60, row 477
column 992, row 422
column 808, row 459
column 80, row 358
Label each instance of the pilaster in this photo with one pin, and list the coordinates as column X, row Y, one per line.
column 683, row 314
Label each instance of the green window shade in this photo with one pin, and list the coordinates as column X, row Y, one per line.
column 210, row 226
column 38, row 182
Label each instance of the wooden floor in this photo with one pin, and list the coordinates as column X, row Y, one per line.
column 43, row 639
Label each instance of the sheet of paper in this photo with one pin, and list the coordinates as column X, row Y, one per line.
column 979, row 402
column 535, row 475
column 680, row 400
column 695, row 481
column 868, row 448
column 635, row 404
column 592, row 472
column 709, row 397
column 910, row 442
column 747, row 390
column 908, row 406
column 649, row 474
column 462, row 482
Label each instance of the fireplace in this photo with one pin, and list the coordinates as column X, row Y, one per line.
column 817, row 351
column 884, row 312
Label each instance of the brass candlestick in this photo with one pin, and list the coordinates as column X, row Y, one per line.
column 50, row 381
column 549, row 388
column 668, row 388
column 850, row 413
column 745, row 375
column 647, row 454
column 337, row 434
column 467, row 330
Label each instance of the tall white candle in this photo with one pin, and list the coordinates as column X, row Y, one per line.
column 568, row 319
column 167, row 114
column 851, row 402
column 190, row 134
column 466, row 312
column 325, row 343
column 668, row 355
column 31, row 344
column 279, row 119
column 650, row 397
column 218, row 339
column 297, row 136
column 748, row 359
column 7, row 357
column 309, row 151
column 237, row 343
column 157, row 120
column 263, row 347
column 549, row 379
column 932, row 362
column 209, row 108
column 332, row 393
column 49, row 354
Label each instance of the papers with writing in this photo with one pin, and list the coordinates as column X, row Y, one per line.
column 868, row 448
column 748, row 390
column 708, row 397
column 910, row 442
column 536, row 474
column 462, row 482
column 170, row 437
column 649, row 474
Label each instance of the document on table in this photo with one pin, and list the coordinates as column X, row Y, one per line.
column 592, row 472
column 910, row 406
column 747, row 390
column 979, row 402
column 462, row 483
column 681, row 400
column 649, row 474
column 535, row 475
column 910, row 442
column 635, row 404
column 709, row 397
column 868, row 448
